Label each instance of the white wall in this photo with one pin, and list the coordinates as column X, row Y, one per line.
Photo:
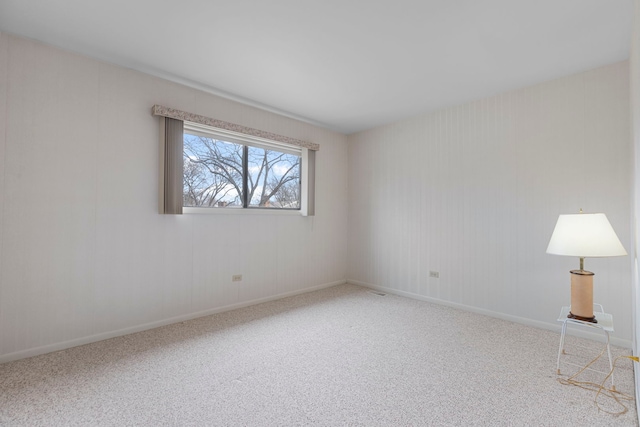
column 84, row 254
column 634, row 69
column 471, row 191
column 474, row 191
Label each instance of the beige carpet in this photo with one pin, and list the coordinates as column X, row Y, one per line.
column 340, row 356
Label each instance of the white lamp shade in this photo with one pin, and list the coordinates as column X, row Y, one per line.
column 585, row 235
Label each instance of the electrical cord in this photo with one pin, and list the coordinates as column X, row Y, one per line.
column 600, row 389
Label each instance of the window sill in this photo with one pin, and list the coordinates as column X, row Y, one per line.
column 240, row 211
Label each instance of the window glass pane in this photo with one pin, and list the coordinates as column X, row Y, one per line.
column 212, row 172
column 273, row 179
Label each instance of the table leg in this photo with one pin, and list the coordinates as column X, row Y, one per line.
column 613, row 386
column 561, row 348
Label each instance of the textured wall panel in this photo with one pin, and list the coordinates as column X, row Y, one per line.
column 86, row 254
column 473, row 192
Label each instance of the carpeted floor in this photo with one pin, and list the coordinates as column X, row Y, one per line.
column 339, row 356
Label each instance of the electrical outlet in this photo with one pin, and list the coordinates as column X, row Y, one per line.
column 434, row 274
column 236, row 278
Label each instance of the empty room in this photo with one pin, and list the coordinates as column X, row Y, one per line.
column 275, row 213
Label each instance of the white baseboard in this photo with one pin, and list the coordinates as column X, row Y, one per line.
column 49, row 348
column 552, row 326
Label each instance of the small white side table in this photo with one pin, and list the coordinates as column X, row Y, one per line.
column 605, row 324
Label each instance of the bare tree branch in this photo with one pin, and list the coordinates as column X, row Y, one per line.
column 213, row 173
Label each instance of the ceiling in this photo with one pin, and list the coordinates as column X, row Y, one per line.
column 347, row 65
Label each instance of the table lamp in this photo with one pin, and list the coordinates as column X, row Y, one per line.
column 584, row 235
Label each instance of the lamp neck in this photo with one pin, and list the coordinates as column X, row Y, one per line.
column 582, row 263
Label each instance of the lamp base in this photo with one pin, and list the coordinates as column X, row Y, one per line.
column 582, row 296
column 584, row 319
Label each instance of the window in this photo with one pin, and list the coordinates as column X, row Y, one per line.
column 223, row 169
column 207, row 164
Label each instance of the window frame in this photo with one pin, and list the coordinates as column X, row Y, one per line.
column 171, row 173
column 206, row 131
